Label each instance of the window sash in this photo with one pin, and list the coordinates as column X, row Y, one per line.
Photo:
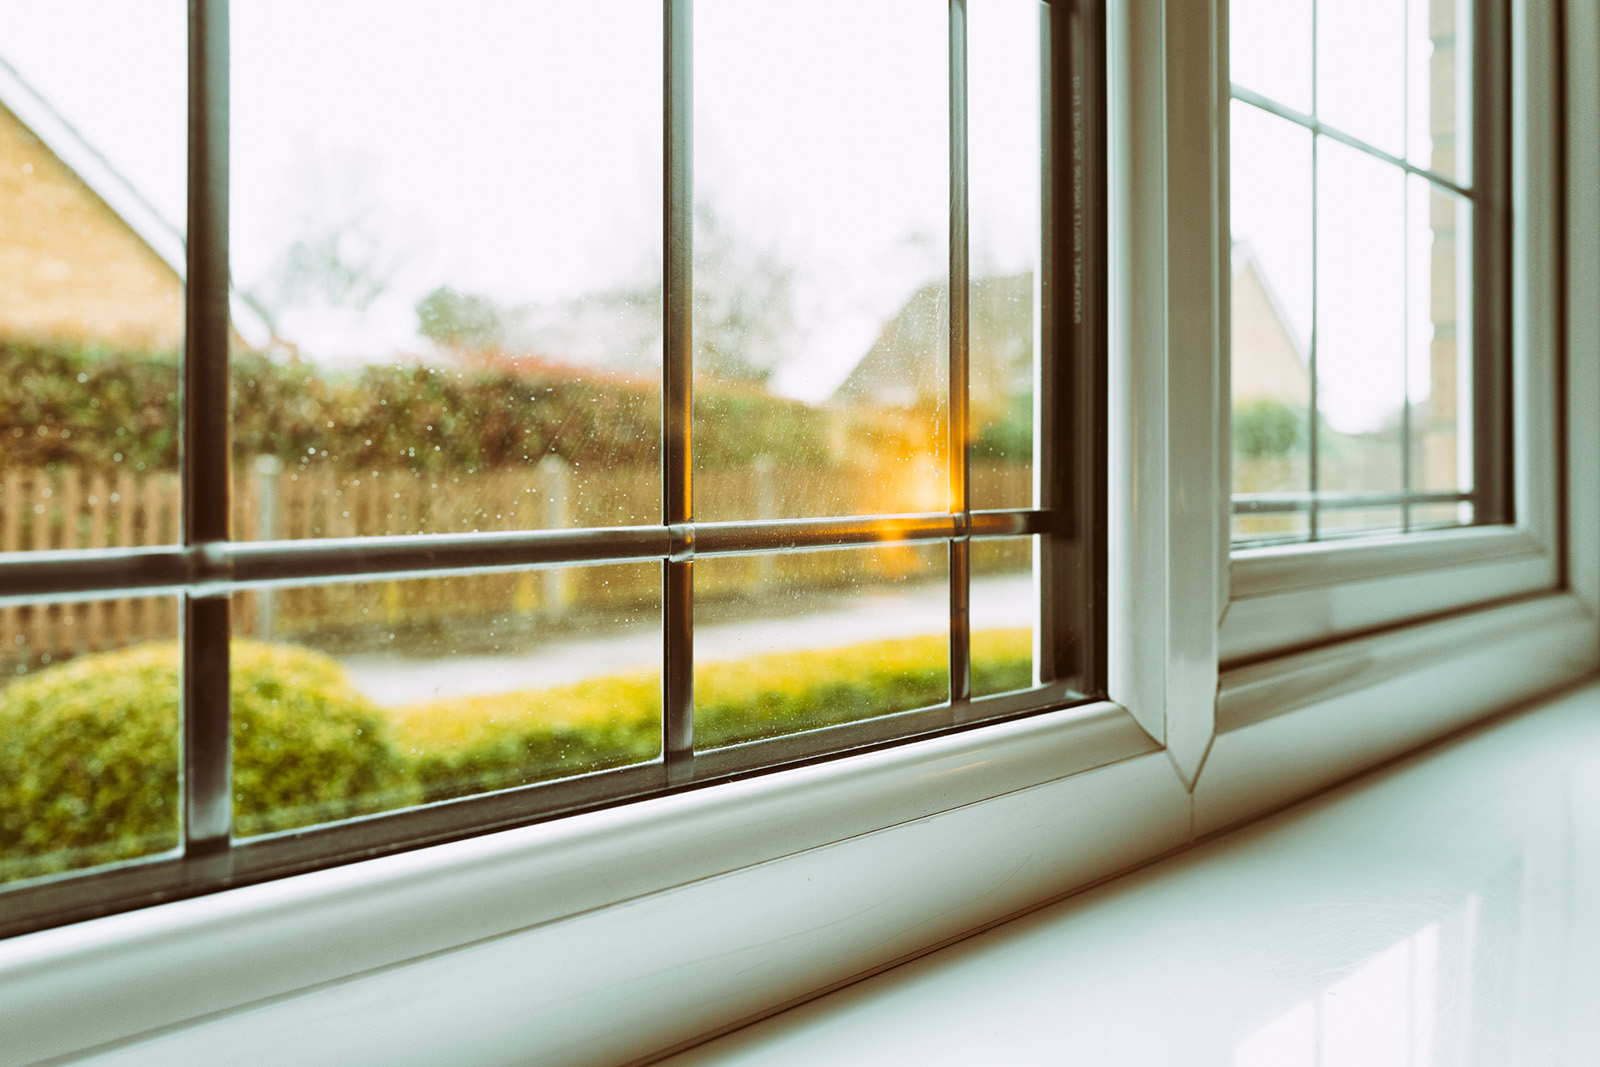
column 207, row 566
column 1491, row 495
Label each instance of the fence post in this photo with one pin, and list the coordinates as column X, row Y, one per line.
column 556, row 483
column 264, row 471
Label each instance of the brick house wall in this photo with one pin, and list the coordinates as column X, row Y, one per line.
column 70, row 268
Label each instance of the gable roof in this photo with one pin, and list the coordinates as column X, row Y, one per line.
column 103, row 179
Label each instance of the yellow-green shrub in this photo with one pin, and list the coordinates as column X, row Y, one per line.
column 89, row 753
column 464, row 745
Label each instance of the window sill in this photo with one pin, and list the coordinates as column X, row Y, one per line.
column 76, row 987
column 614, row 936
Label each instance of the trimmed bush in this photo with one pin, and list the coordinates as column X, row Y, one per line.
column 89, row 754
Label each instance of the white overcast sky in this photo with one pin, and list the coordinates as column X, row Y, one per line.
column 1374, row 238
column 513, row 148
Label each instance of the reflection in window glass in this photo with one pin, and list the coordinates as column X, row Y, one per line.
column 88, row 734
column 821, row 291
column 792, row 642
column 462, row 271
column 91, row 275
column 364, row 696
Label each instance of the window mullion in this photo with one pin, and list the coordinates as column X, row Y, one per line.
column 207, row 741
column 677, row 391
column 960, row 502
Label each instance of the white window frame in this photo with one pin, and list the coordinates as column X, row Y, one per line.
column 612, row 936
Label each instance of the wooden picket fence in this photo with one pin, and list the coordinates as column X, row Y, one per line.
column 41, row 511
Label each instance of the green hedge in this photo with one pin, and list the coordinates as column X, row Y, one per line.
column 109, row 409
column 89, row 754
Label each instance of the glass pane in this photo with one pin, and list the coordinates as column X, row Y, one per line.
column 1005, row 615
column 1435, row 516
column 1269, row 49
column 1361, row 325
column 462, row 270
column 1361, row 70
column 1271, row 320
column 1439, row 336
column 792, row 642
column 365, row 696
column 1003, row 189
column 92, row 180
column 821, row 265
column 89, row 696
column 1333, row 522
column 1439, row 90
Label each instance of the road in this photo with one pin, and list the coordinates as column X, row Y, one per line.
column 866, row 615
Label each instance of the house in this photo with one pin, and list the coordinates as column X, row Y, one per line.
column 84, row 257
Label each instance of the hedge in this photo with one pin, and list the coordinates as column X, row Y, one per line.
column 107, row 409
column 89, row 751
column 89, row 754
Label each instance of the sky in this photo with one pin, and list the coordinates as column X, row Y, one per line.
column 513, row 149
column 1374, row 236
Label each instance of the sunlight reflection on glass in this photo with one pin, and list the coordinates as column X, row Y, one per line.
column 832, row 290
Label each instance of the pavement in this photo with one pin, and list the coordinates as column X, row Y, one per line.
column 853, row 618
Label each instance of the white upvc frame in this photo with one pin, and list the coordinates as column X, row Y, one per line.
column 1283, row 597
column 613, row 936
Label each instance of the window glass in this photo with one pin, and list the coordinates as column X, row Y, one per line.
column 1353, row 279
column 1269, row 49
column 367, row 696
column 461, row 270
column 821, row 273
column 801, row 641
column 91, row 275
column 1003, row 137
column 88, row 734
column 441, row 577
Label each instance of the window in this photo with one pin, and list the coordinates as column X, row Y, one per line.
column 1369, row 240
column 1391, row 248
column 503, row 507
column 1237, row 680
